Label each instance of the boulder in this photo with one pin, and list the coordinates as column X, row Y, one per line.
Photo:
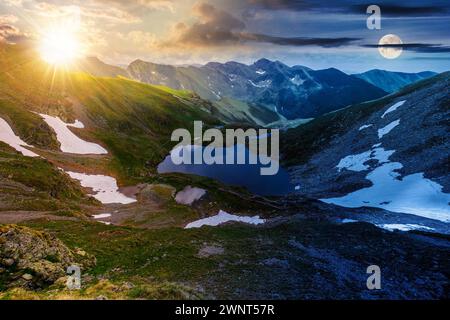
column 159, row 193
column 36, row 256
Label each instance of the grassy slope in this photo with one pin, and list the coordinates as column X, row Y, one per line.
column 35, row 184
column 132, row 120
column 299, row 144
column 242, row 112
column 309, row 267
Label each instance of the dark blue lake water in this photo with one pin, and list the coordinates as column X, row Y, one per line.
column 245, row 175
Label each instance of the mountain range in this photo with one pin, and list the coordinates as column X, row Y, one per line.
column 291, row 92
column 392, row 81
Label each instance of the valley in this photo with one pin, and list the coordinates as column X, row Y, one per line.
column 81, row 157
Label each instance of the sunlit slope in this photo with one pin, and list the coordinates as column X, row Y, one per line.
column 133, row 121
column 34, row 184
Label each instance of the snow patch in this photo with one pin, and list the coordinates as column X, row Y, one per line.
column 349, row 221
column 101, row 216
column 70, row 143
column 384, row 131
column 189, row 195
column 393, row 108
column 223, row 217
column 365, row 127
column 77, row 124
column 297, row 80
column 105, row 188
column 217, row 95
column 357, row 162
column 412, row 194
column 8, row 136
column 403, row 227
column 261, row 72
column 261, row 84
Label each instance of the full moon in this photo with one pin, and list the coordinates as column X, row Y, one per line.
column 390, row 52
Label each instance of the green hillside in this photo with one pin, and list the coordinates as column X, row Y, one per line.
column 132, row 120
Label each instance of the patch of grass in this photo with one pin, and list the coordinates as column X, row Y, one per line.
column 39, row 175
column 134, row 121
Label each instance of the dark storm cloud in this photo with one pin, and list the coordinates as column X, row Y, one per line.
column 405, row 11
column 389, row 8
column 294, row 5
column 299, row 41
column 213, row 27
column 218, row 27
column 415, row 47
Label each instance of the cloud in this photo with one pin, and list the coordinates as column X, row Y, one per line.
column 216, row 27
column 8, row 32
column 294, row 5
column 8, row 19
column 10, row 3
column 133, row 5
column 139, row 41
column 415, row 47
column 11, row 34
column 89, row 9
column 405, row 11
column 299, row 41
column 388, row 8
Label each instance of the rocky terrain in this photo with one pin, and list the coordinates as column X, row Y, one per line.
column 420, row 140
column 373, row 152
column 34, row 259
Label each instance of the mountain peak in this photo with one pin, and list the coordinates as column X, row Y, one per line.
column 138, row 61
column 263, row 61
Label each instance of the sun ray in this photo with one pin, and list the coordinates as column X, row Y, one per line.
column 60, row 47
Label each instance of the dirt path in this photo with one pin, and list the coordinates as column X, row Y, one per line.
column 14, row 217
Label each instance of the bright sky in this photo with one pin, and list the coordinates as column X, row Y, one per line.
column 318, row 34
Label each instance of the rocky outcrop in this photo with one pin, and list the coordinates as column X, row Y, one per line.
column 33, row 258
column 159, row 193
column 419, row 142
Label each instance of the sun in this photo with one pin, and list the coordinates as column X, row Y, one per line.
column 59, row 47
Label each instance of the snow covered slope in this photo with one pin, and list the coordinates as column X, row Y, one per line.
column 391, row 154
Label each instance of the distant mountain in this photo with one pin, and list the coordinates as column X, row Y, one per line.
column 294, row 92
column 98, row 68
column 392, row 81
